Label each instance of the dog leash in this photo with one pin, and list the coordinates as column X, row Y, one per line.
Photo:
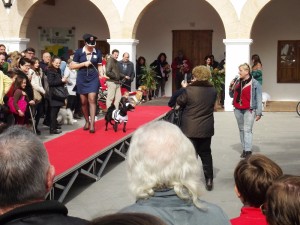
column 87, row 69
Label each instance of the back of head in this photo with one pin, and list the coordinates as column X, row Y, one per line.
column 283, row 201
column 201, row 73
column 23, row 167
column 253, row 176
column 256, row 59
column 160, row 156
column 128, row 219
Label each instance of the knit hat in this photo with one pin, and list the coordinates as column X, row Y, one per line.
column 201, row 73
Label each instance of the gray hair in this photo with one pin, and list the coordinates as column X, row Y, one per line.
column 161, row 156
column 23, row 167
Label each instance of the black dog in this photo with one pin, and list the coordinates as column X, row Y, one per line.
column 118, row 115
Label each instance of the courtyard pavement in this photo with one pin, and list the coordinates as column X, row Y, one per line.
column 276, row 135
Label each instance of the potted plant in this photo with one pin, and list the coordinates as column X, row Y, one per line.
column 218, row 80
column 148, row 79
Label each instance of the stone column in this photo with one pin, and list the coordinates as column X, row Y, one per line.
column 15, row 44
column 125, row 45
column 237, row 52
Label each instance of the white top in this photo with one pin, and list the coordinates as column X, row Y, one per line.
column 36, row 81
column 71, row 75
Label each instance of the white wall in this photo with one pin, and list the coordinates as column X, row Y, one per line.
column 65, row 14
column 279, row 20
column 155, row 29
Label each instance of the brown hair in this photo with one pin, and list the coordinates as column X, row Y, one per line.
column 128, row 219
column 253, row 176
column 52, row 60
column 18, row 82
column 282, row 201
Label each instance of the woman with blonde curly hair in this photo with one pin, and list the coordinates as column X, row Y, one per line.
column 164, row 176
column 197, row 123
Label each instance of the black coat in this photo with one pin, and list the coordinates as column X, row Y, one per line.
column 54, row 80
column 40, row 213
column 198, row 116
column 129, row 71
column 157, row 64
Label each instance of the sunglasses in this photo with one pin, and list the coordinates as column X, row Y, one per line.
column 263, row 209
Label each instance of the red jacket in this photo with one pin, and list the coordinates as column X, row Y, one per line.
column 250, row 216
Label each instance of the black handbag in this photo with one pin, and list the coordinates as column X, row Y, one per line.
column 59, row 93
column 174, row 116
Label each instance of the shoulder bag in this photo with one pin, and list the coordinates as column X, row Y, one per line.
column 174, row 116
column 37, row 97
column 22, row 103
column 59, row 93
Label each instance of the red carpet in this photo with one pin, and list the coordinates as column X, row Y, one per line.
column 76, row 147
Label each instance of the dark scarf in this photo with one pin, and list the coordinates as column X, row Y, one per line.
column 239, row 89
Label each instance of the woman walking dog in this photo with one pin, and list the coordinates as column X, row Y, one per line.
column 88, row 62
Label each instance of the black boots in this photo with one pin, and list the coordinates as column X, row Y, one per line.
column 55, row 131
column 209, row 184
column 245, row 154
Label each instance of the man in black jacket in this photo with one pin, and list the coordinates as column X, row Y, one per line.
column 127, row 68
column 26, row 176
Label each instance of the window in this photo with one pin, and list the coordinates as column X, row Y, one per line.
column 288, row 62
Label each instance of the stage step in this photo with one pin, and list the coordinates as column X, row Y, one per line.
column 281, row 106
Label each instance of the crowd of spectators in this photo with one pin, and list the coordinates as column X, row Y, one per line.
column 24, row 97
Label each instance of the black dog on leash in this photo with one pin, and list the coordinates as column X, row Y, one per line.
column 118, row 115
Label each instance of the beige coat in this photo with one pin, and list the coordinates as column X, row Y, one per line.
column 5, row 83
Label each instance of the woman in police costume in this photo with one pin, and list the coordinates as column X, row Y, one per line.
column 88, row 62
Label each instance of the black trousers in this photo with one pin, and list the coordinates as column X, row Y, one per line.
column 53, row 116
column 47, row 111
column 178, row 79
column 71, row 102
column 38, row 113
column 202, row 146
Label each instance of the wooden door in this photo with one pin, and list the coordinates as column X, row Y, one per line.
column 195, row 44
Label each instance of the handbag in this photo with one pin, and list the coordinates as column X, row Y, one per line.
column 174, row 116
column 22, row 103
column 59, row 93
column 37, row 97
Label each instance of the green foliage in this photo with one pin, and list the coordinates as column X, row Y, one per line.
column 149, row 77
column 218, row 79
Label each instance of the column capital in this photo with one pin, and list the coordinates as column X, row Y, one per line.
column 133, row 42
column 237, row 41
column 15, row 44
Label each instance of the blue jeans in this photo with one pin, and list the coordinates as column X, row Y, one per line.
column 245, row 120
